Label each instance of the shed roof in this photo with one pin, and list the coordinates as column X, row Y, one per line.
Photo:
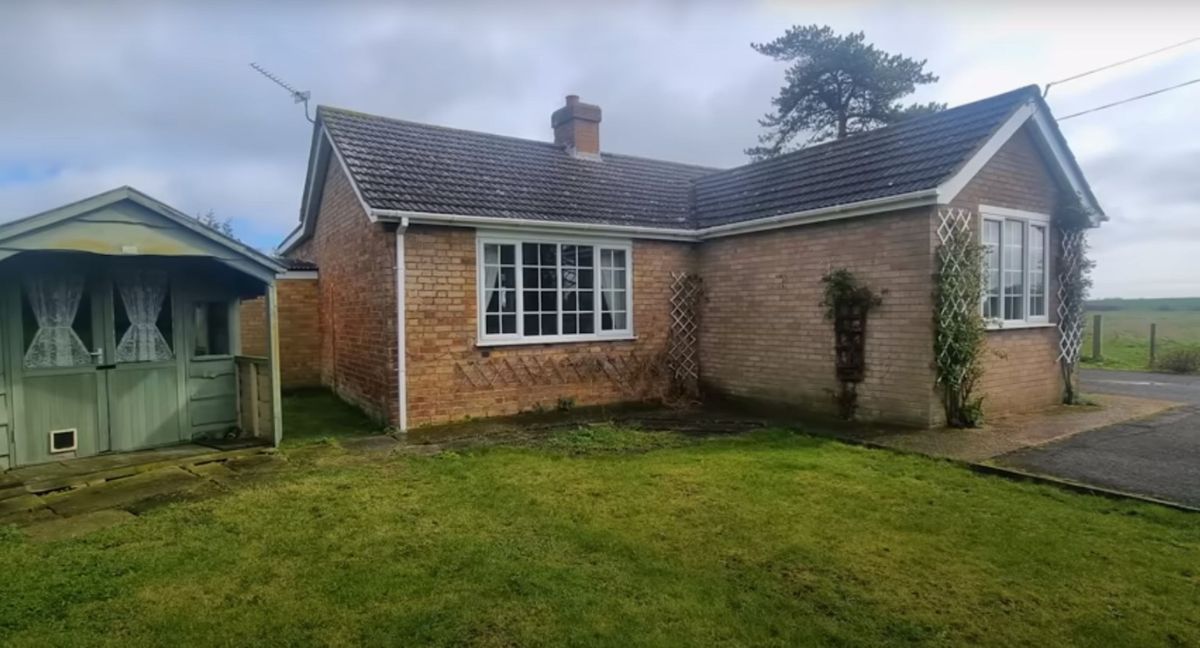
column 127, row 222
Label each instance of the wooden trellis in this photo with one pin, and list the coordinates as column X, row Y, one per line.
column 631, row 372
column 1070, row 310
column 683, row 357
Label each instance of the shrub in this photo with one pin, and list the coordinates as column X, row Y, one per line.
column 1180, row 360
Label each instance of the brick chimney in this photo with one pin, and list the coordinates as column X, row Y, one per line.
column 577, row 128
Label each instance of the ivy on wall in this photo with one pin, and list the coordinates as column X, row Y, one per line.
column 847, row 302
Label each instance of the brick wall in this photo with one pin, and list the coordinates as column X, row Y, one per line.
column 356, row 296
column 1020, row 366
column 450, row 378
column 299, row 331
column 764, row 334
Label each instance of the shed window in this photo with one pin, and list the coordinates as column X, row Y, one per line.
column 57, row 318
column 211, row 329
column 553, row 291
column 1016, row 262
column 142, row 317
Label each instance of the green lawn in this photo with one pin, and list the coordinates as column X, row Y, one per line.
column 609, row 536
column 1126, row 334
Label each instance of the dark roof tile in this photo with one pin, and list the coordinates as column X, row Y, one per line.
column 406, row 166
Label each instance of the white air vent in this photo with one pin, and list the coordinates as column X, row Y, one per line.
column 63, row 440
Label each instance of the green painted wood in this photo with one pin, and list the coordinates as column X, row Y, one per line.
column 132, row 206
column 58, row 401
column 216, row 387
column 143, row 406
column 214, row 412
column 212, row 394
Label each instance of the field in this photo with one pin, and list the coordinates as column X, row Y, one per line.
column 606, row 536
column 1126, row 330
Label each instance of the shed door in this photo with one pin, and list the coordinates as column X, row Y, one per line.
column 143, row 384
column 58, row 328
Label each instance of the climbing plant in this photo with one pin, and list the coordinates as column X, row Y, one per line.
column 960, row 336
column 847, row 302
column 1073, row 219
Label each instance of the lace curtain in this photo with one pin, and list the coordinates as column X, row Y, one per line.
column 54, row 299
column 143, row 294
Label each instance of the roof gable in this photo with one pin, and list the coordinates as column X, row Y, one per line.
column 124, row 222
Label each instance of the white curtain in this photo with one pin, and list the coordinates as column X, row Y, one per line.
column 54, row 299
column 491, row 283
column 143, row 294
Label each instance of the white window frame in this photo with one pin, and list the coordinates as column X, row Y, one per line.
column 1028, row 220
column 483, row 339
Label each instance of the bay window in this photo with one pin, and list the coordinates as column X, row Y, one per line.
column 1016, row 262
column 539, row 290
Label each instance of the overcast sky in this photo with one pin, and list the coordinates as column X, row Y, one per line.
column 159, row 95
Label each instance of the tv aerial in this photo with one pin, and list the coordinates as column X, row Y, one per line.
column 298, row 96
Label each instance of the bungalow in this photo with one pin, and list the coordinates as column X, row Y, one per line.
column 119, row 331
column 469, row 274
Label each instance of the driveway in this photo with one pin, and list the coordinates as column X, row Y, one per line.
column 1158, row 456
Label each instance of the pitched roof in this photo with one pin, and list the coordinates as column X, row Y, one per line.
column 406, row 166
column 914, row 155
column 403, row 166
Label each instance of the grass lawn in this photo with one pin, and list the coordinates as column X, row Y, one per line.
column 616, row 537
column 1126, row 335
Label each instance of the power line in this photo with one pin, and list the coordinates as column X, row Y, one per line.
column 1125, row 101
column 1118, row 63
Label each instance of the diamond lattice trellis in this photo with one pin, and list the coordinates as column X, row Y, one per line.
column 958, row 299
column 682, row 353
column 1070, row 308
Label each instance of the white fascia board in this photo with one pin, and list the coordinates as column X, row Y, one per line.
column 949, row 190
column 1066, row 163
column 291, row 240
column 298, row 274
column 525, row 225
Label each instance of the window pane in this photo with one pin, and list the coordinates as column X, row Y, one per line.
column 613, row 297
column 1014, row 270
column 211, row 329
column 539, row 299
column 991, row 274
column 500, row 282
column 1037, row 271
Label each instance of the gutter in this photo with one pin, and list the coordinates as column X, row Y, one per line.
column 836, row 212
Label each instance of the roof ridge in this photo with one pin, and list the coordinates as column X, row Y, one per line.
column 524, row 140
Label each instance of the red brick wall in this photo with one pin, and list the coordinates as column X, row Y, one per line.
column 764, row 334
column 356, row 292
column 299, row 331
column 450, row 378
column 1020, row 366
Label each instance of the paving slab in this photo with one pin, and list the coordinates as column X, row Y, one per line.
column 121, row 492
column 77, row 526
column 1008, row 434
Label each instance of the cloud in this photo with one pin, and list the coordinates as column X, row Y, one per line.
column 159, row 95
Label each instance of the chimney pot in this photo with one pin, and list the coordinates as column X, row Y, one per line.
column 577, row 128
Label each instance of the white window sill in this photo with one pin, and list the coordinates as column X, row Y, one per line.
column 484, row 344
column 1011, row 326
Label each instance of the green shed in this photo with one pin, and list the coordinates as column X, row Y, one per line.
column 119, row 331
